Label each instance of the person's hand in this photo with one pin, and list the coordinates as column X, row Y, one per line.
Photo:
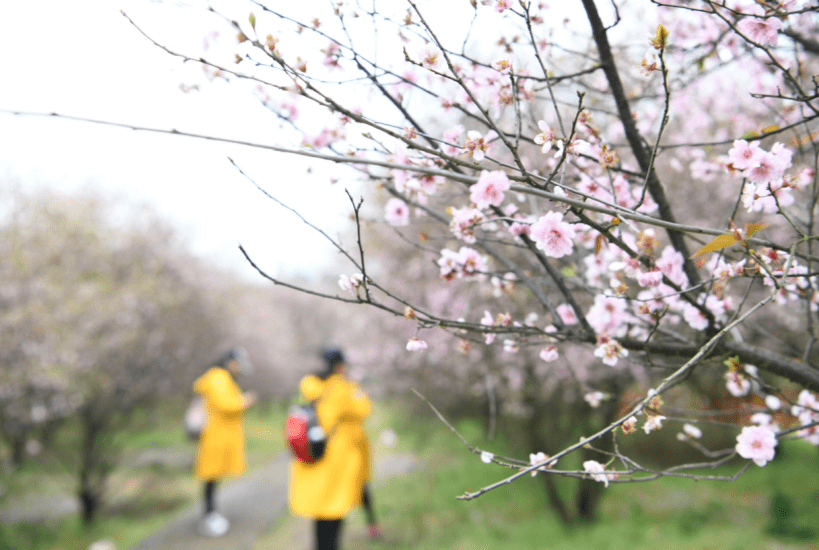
column 250, row 398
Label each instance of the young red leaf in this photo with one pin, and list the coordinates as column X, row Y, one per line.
column 719, row 242
column 753, row 228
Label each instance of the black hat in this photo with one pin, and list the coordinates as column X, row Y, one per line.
column 332, row 357
column 240, row 356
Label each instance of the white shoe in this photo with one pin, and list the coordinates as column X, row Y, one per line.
column 214, row 525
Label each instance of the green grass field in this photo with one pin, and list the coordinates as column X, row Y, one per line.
column 153, row 483
column 419, row 510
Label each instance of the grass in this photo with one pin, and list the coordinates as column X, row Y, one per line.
column 420, row 511
column 768, row 508
column 144, row 492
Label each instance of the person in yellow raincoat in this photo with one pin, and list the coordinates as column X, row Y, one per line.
column 328, row 489
column 221, row 449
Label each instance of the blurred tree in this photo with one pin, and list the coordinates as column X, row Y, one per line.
column 100, row 315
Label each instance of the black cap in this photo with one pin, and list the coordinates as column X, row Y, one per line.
column 332, row 357
column 239, row 355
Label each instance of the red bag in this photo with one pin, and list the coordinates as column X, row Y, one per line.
column 303, row 433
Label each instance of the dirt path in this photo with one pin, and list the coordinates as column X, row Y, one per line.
column 253, row 504
column 296, row 533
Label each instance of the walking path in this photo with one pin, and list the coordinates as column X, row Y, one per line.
column 253, row 504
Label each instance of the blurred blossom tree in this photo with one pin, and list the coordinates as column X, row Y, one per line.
column 100, row 315
column 598, row 192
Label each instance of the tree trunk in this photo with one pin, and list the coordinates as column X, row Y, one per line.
column 88, row 493
column 537, row 443
column 589, row 491
column 18, row 451
column 89, row 502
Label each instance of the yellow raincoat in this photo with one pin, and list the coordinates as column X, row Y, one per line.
column 330, row 488
column 222, row 443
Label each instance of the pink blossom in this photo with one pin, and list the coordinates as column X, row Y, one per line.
column 768, row 169
column 744, row 155
column 553, row 235
column 622, row 190
column 737, row 385
column 609, row 350
column 451, row 137
column 607, row 314
column 761, row 31
column 488, row 321
column 430, row 56
column 773, row 402
column 476, row 145
column 490, row 188
column 332, row 53
column 396, row 212
column 804, row 178
column 596, row 471
column 670, row 263
column 810, row 434
column 782, row 155
column 725, row 270
column 463, row 264
column 448, row 264
column 594, row 398
column 503, row 5
column 506, row 284
column 517, row 229
column 652, row 277
column 807, row 409
column 503, row 65
column 692, row 431
column 472, row 262
column 629, row 425
column 704, row 170
column 290, row 111
column 540, row 458
column 510, row 346
column 351, row 283
column 757, row 443
column 415, row 344
column 546, row 136
column 806, row 402
column 463, row 222
column 576, row 146
column 694, row 317
column 567, row 314
column 764, row 419
column 549, row 353
column 648, row 65
column 653, row 422
column 717, row 306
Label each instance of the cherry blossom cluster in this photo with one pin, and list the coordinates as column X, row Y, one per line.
column 466, row 263
column 557, row 226
column 806, row 410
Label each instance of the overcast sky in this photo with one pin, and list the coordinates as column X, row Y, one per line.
column 84, row 59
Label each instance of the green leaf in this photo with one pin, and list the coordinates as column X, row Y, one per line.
column 568, row 271
column 252, row 20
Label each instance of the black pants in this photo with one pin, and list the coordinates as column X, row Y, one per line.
column 210, row 489
column 328, row 534
column 367, row 503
